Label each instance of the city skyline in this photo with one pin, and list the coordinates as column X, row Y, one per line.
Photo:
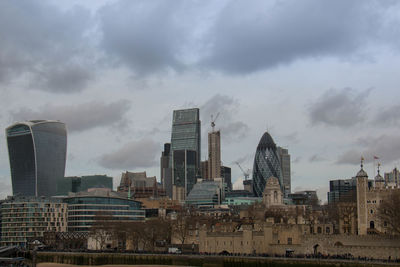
column 329, row 95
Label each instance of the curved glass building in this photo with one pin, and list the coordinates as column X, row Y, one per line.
column 266, row 164
column 37, row 152
column 84, row 208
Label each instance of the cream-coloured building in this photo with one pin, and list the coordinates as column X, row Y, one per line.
column 214, row 155
column 27, row 218
column 272, row 195
column 369, row 197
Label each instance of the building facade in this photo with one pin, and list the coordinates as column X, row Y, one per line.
column 214, row 155
column 165, row 169
column 226, row 173
column 84, row 209
column 266, row 164
column 25, row 219
column 138, row 185
column 185, row 151
column 204, row 169
column 392, row 179
column 343, row 190
column 76, row 184
column 284, row 158
column 186, row 131
column 37, row 152
column 369, row 197
column 206, row 193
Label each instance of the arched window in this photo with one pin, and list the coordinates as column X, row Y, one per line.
column 275, row 196
column 371, row 224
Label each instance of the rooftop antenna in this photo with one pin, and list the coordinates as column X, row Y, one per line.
column 213, row 121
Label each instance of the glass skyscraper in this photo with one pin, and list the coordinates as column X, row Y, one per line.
column 266, row 164
column 37, row 152
column 186, row 131
column 185, row 147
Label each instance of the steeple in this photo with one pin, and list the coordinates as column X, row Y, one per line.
column 361, row 172
column 378, row 177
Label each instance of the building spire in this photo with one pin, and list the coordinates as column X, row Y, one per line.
column 379, row 166
column 362, row 162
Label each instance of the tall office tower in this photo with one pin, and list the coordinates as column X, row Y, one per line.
column 37, row 151
column 266, row 164
column 186, row 131
column 214, row 155
column 226, row 174
column 184, row 173
column 344, row 190
column 165, row 169
column 204, row 169
column 185, row 149
column 392, row 179
column 284, row 158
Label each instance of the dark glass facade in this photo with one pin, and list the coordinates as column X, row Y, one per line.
column 266, row 164
column 226, row 174
column 37, row 153
column 186, row 131
column 185, row 136
column 342, row 190
column 78, row 184
column 184, row 169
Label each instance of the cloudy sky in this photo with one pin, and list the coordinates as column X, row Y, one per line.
column 321, row 76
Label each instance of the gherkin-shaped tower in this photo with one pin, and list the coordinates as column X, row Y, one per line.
column 266, row 164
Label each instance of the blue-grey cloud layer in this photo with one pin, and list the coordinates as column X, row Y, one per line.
column 56, row 50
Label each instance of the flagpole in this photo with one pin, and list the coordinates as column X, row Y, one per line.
column 374, row 168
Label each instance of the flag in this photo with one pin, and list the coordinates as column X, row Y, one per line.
column 375, row 157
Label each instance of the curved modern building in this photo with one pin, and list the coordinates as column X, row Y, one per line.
column 266, row 164
column 85, row 208
column 37, row 152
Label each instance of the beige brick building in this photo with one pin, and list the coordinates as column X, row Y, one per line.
column 27, row 218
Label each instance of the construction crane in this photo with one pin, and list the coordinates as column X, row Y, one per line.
column 213, row 121
column 246, row 174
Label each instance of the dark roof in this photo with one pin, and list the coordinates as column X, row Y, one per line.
column 266, row 142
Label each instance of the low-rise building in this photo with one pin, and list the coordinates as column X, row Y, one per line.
column 84, row 208
column 206, row 193
column 26, row 218
column 138, row 185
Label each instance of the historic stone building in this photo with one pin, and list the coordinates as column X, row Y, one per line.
column 369, row 197
column 272, row 195
column 273, row 228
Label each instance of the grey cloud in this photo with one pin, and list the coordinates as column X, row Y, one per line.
column 79, row 117
column 227, row 107
column 148, row 36
column 350, row 157
column 250, row 36
column 5, row 187
column 292, row 138
column 389, row 116
column 341, row 108
column 296, row 160
column 64, row 78
column 136, row 154
column 44, row 44
column 316, row 158
column 386, row 147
